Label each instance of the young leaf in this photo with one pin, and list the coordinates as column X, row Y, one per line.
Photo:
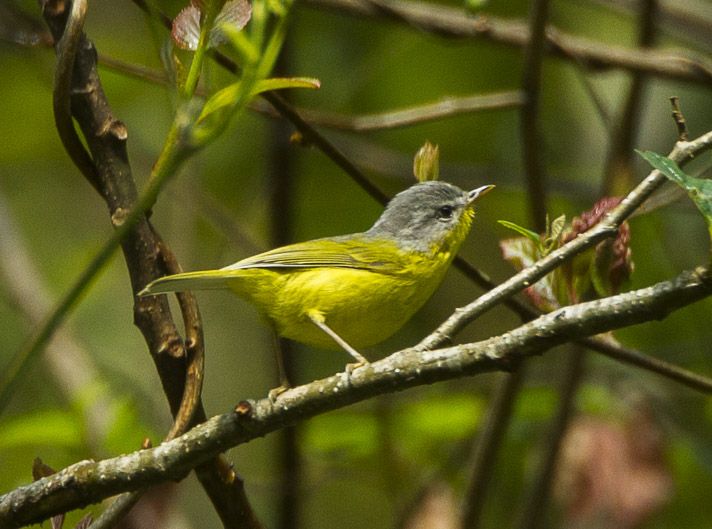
column 280, row 83
column 231, row 94
column 533, row 236
column 186, row 28
column 426, row 163
column 235, row 14
column 699, row 189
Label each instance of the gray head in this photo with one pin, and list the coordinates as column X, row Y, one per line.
column 427, row 214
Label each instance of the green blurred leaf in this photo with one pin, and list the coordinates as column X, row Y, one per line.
column 346, row 434
column 596, row 399
column 536, row 404
column 57, row 428
column 439, row 418
column 127, row 431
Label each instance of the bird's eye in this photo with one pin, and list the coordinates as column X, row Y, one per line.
column 445, row 212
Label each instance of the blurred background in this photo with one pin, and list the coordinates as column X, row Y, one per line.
column 636, row 452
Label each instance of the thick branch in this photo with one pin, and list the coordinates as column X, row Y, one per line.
column 89, row 481
column 456, row 23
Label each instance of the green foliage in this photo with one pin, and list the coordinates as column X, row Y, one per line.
column 698, row 189
column 346, row 434
column 598, row 272
column 56, row 427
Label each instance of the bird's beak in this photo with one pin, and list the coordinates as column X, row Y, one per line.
column 477, row 193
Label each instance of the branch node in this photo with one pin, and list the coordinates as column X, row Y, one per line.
column 679, row 119
column 243, row 409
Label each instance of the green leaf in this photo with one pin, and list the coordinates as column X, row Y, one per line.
column 343, row 434
column 442, row 418
column 533, row 236
column 698, row 189
column 126, row 430
column 232, row 94
column 56, row 428
column 241, row 43
column 280, row 83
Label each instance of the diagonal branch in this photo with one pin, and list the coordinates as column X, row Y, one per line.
column 681, row 153
column 88, row 481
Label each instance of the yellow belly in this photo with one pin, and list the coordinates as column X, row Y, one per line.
column 362, row 306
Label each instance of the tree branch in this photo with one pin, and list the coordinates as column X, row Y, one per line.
column 681, row 153
column 87, row 481
column 456, row 23
column 178, row 362
column 529, row 114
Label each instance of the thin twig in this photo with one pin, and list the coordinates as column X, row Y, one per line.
column 675, row 17
column 679, row 119
column 487, row 446
column 282, row 186
column 531, row 516
column 456, row 23
column 66, row 50
column 89, row 481
column 532, row 149
column 444, row 108
column 619, row 170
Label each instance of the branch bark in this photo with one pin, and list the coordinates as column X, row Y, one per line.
column 87, row 481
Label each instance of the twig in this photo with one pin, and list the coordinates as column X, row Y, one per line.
column 679, row 118
column 488, row 443
column 529, row 114
column 282, row 186
column 446, row 107
column 605, row 345
column 619, row 170
column 455, row 23
column 675, row 17
column 532, row 514
column 66, row 50
column 89, row 481
column 610, row 348
column 681, row 153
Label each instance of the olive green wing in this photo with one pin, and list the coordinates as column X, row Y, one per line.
column 350, row 251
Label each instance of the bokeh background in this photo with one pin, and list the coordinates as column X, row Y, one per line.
column 402, row 457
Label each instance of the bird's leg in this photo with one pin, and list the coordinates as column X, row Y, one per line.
column 318, row 319
column 284, row 383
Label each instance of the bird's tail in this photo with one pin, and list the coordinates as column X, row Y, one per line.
column 203, row 280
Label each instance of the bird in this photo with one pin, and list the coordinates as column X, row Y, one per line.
column 350, row 291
